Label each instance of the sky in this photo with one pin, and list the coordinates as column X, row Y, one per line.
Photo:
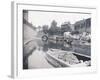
column 38, row 18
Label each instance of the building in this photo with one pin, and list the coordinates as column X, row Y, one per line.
column 25, row 14
column 66, row 27
column 83, row 25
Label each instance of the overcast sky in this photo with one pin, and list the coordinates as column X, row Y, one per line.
column 45, row 18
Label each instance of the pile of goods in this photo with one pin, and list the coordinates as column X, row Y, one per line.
column 69, row 57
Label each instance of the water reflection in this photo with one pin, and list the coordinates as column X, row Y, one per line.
column 37, row 59
column 35, row 50
column 75, row 46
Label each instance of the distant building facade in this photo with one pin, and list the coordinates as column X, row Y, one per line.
column 66, row 27
column 83, row 25
column 25, row 14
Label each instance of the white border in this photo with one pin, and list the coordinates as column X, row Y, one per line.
column 17, row 68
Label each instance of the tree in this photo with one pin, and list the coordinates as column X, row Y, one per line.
column 53, row 24
column 53, row 27
column 45, row 29
column 39, row 28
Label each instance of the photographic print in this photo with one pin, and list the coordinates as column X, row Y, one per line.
column 56, row 39
column 52, row 39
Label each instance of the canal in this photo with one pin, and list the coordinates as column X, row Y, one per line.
column 37, row 57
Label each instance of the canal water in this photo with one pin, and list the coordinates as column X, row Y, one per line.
column 37, row 59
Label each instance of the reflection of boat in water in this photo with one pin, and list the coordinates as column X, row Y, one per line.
column 61, row 58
